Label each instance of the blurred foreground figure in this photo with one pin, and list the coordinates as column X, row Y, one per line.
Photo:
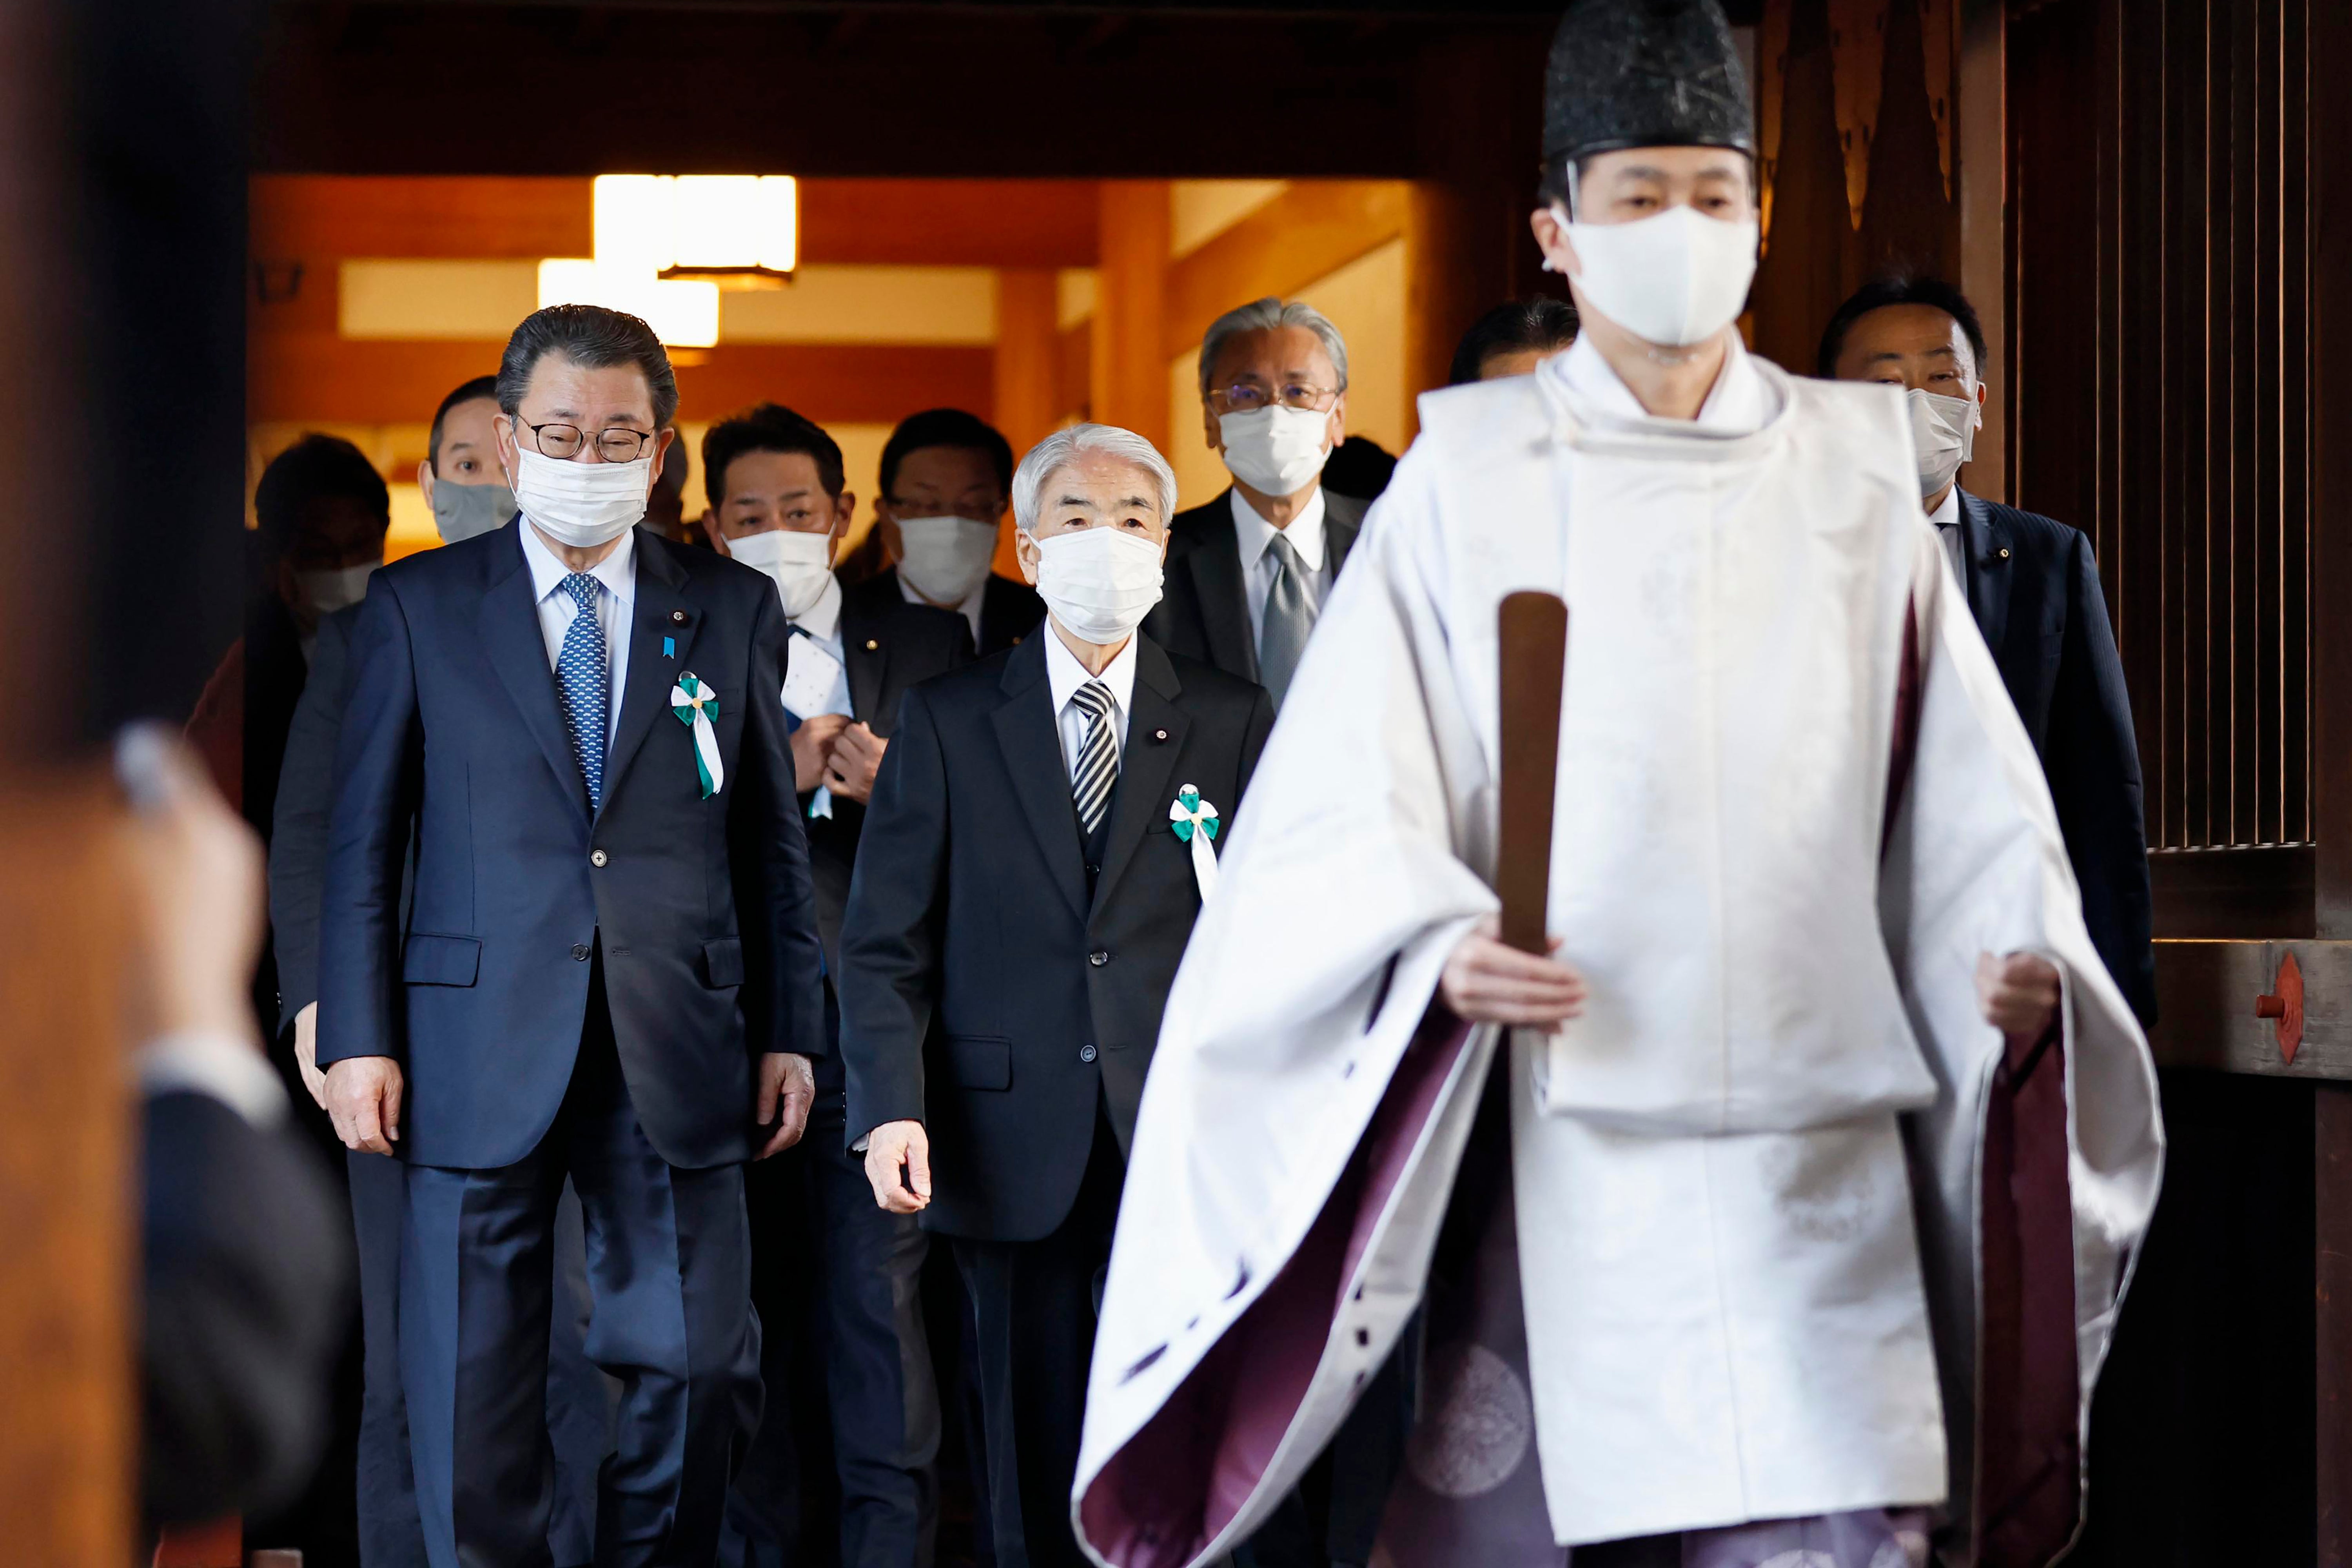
column 1782, row 1211
column 246, row 1273
column 2032, row 585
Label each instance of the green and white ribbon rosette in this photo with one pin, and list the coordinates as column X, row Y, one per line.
column 695, row 706
column 1194, row 821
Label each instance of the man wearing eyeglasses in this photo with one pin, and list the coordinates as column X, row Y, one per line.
column 1247, row 573
column 608, row 972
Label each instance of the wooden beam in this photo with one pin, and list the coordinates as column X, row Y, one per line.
column 1130, row 365
column 319, row 218
column 1027, row 404
column 322, row 218
column 1314, row 227
column 297, row 376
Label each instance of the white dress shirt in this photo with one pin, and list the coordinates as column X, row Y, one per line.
column 822, row 625
column 969, row 609
column 616, row 580
column 1064, row 674
column 1253, row 534
column 1949, row 532
column 229, row 1070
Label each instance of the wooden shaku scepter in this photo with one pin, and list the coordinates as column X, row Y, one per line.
column 1532, row 632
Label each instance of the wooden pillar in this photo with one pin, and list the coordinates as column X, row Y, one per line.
column 1128, row 369
column 1983, row 153
column 1468, row 244
column 1027, row 346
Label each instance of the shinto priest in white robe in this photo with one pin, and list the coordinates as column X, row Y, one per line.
column 1798, row 1232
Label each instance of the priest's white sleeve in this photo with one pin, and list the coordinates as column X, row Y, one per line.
column 1346, row 886
column 1975, row 865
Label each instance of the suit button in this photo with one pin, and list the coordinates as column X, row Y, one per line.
column 580, row 951
column 1085, row 1053
column 1098, row 957
column 595, row 858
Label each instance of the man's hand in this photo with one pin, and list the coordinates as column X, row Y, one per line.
column 1487, row 983
column 857, row 757
column 890, row 1146
column 364, row 1101
column 2019, row 993
column 812, row 744
column 787, row 1090
column 306, row 1052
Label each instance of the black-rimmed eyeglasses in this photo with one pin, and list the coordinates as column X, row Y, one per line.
column 617, row 445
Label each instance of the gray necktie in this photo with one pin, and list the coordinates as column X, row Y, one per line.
column 1290, row 618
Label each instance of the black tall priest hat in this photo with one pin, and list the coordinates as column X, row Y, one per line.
column 1643, row 73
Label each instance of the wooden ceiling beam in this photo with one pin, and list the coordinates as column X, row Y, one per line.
column 916, row 222
column 1311, row 229
column 295, row 377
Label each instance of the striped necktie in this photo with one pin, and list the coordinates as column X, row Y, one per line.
column 1097, row 769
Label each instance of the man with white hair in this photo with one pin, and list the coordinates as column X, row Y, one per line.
column 1248, row 572
column 1041, row 835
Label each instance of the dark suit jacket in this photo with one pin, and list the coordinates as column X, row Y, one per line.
column 242, row 1312
column 982, row 991
column 297, row 843
column 888, row 645
column 1203, row 610
column 1009, row 611
column 2034, row 587
column 703, row 908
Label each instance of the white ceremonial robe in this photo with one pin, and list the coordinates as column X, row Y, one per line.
column 1742, row 1302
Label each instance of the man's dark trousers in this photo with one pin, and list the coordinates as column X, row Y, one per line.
column 668, row 1259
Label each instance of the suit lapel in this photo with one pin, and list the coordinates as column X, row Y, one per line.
column 1343, row 518
column 509, row 625
column 661, row 611
column 866, row 650
column 1985, row 549
column 1032, row 744
column 1216, row 566
column 1147, row 764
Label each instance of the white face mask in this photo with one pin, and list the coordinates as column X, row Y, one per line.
column 1275, row 451
column 1099, row 582
column 582, row 505
column 945, row 558
column 463, row 512
column 1944, row 432
column 1674, row 279
column 800, row 564
column 329, row 591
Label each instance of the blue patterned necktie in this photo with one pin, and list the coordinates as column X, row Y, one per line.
column 583, row 676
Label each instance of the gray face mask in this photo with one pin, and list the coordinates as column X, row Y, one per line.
column 461, row 511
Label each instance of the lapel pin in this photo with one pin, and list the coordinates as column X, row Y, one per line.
column 872, row 644
column 1159, row 734
column 679, row 616
column 2004, row 552
column 670, row 647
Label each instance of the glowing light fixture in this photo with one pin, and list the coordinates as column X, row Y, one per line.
column 683, row 313
column 739, row 231
column 667, row 244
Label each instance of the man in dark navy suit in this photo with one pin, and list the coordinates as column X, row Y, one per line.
column 780, row 502
column 2032, row 585
column 1032, row 868
column 609, row 970
column 946, row 478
